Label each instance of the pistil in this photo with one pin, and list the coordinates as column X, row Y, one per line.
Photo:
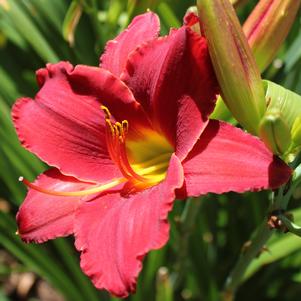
column 93, row 190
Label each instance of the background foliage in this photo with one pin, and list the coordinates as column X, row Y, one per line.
column 204, row 244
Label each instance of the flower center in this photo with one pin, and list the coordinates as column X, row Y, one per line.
column 143, row 161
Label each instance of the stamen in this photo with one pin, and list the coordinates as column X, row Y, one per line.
column 110, row 127
column 110, row 138
column 106, row 112
column 125, row 126
column 89, row 191
column 127, row 165
column 119, row 129
column 115, row 136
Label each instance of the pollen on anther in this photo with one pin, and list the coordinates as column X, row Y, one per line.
column 118, row 128
column 106, row 112
column 125, row 126
column 21, row 179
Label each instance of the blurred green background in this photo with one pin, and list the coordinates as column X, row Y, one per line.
column 204, row 243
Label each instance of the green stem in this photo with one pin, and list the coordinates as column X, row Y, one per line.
column 291, row 227
column 187, row 223
column 261, row 236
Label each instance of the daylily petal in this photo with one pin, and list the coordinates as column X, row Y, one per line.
column 64, row 125
column 114, row 233
column 228, row 159
column 173, row 79
column 143, row 28
column 41, row 216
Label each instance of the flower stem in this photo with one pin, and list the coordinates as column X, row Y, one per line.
column 186, row 223
column 257, row 242
column 262, row 234
column 291, row 227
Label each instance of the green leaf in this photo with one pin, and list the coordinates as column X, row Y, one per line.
column 36, row 259
column 23, row 23
column 167, row 15
column 72, row 263
column 278, row 249
column 164, row 288
column 11, row 33
column 8, row 87
column 293, row 55
column 71, row 20
column 53, row 11
column 3, row 297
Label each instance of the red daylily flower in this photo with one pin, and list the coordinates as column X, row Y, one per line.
column 124, row 141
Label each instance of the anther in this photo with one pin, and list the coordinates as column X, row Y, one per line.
column 118, row 128
column 106, row 112
column 125, row 126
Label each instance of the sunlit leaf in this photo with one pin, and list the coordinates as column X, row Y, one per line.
column 71, row 20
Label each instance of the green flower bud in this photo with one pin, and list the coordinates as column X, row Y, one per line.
column 267, row 27
column 274, row 132
column 233, row 61
column 280, row 128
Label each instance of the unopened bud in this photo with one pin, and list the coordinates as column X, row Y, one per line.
column 274, row 132
column 267, row 27
column 283, row 116
column 233, row 61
